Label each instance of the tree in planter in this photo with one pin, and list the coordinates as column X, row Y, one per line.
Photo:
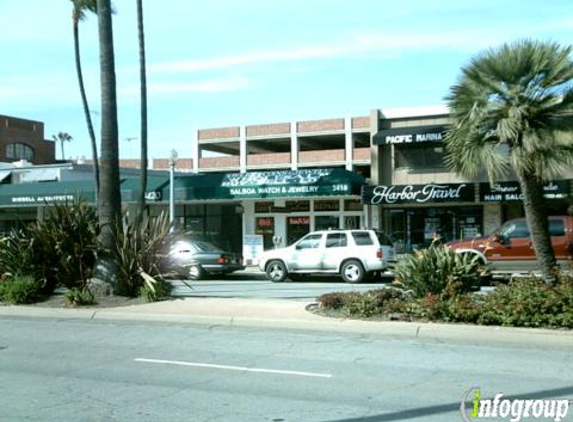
column 143, row 95
column 80, row 7
column 109, row 204
column 512, row 109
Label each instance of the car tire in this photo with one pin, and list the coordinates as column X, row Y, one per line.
column 276, row 271
column 196, row 272
column 352, row 271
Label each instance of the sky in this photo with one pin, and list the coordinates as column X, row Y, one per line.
column 221, row 63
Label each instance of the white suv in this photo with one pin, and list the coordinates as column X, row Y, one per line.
column 354, row 254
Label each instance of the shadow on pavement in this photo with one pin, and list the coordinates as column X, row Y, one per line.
column 419, row 412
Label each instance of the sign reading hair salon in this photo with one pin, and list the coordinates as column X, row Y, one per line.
column 418, row 194
column 510, row 191
column 409, row 135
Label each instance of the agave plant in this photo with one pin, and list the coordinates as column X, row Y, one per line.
column 438, row 270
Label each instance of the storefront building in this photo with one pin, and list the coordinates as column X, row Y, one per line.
column 415, row 199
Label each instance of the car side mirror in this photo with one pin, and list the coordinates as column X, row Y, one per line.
column 499, row 238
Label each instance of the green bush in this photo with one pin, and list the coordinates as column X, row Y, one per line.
column 19, row 290
column 58, row 250
column 156, row 291
column 530, row 302
column 368, row 304
column 79, row 297
column 139, row 251
column 438, row 270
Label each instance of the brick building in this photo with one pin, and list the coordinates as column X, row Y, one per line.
column 22, row 139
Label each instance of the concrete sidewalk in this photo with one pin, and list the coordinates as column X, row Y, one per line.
column 294, row 315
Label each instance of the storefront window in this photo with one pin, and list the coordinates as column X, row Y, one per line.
column 326, row 205
column 265, row 226
column 325, row 222
column 352, row 205
column 297, row 227
column 419, row 156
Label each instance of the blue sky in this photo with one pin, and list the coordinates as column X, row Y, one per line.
column 233, row 62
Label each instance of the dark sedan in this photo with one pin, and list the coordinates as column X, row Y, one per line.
column 195, row 259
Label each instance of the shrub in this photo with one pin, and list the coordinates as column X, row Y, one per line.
column 371, row 303
column 139, row 251
column 60, row 249
column 530, row 302
column 79, row 297
column 156, row 291
column 21, row 289
column 438, row 270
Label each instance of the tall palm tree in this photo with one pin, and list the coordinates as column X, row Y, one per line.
column 513, row 111
column 109, row 206
column 143, row 94
column 62, row 137
column 80, row 7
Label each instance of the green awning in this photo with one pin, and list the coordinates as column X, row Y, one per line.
column 266, row 184
column 42, row 193
column 153, row 193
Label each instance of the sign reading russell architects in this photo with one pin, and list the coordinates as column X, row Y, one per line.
column 510, row 191
column 418, row 194
column 409, row 135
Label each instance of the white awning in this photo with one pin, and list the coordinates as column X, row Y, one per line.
column 39, row 175
column 4, row 174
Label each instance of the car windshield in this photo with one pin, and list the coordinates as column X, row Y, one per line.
column 203, row 246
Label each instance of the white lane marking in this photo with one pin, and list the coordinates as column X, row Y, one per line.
column 234, row 368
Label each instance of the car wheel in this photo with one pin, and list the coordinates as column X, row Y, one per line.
column 352, row 271
column 276, row 271
column 196, row 272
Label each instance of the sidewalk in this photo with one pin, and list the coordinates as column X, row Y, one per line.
column 286, row 314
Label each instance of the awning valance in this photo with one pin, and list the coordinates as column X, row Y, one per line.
column 267, row 184
column 33, row 194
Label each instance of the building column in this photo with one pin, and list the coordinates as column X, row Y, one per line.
column 294, row 147
column 243, row 149
column 348, row 144
column 196, row 153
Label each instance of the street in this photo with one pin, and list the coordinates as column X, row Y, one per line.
column 61, row 370
column 253, row 284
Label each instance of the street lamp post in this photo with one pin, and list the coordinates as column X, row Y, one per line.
column 172, row 163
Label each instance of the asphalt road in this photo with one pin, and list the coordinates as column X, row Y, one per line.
column 63, row 370
column 253, row 284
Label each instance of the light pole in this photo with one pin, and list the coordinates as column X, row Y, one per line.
column 172, row 163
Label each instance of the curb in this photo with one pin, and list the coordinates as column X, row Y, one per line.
column 451, row 333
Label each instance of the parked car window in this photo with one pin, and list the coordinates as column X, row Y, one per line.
column 336, row 240
column 362, row 238
column 206, row 247
column 383, row 239
column 309, row 242
column 516, row 229
column 557, row 227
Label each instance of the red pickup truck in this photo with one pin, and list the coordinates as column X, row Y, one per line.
column 509, row 249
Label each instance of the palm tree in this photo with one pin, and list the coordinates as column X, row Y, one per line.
column 62, row 137
column 512, row 110
column 78, row 14
column 109, row 206
column 143, row 94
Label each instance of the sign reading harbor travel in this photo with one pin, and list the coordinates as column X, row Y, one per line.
column 418, row 194
column 409, row 135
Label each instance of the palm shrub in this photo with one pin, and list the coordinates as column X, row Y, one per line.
column 138, row 252
column 438, row 270
column 58, row 250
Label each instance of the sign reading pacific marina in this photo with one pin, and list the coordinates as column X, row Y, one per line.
column 409, row 135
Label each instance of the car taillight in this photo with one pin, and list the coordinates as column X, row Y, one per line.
column 379, row 254
column 222, row 260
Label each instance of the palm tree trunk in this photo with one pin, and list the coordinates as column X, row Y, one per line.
column 536, row 214
column 109, row 207
column 86, row 109
column 63, row 153
column 143, row 94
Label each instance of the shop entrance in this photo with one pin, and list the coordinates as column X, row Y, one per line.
column 415, row 228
